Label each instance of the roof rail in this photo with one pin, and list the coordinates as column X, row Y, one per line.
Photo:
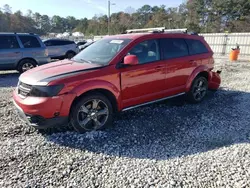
column 159, row 29
column 175, row 30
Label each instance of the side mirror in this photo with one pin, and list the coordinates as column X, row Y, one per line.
column 131, row 60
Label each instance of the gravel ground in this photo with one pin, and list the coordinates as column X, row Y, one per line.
column 171, row 144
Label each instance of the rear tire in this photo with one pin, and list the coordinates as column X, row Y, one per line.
column 198, row 90
column 70, row 55
column 92, row 112
column 26, row 64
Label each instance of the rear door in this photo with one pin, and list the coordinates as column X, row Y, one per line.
column 10, row 52
column 146, row 81
column 67, row 46
column 178, row 66
column 62, row 47
column 59, row 48
column 198, row 52
column 31, row 47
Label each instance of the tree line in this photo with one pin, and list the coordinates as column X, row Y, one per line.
column 196, row 15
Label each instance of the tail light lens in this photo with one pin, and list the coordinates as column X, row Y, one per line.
column 212, row 61
column 46, row 52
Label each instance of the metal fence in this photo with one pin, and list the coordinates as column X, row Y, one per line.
column 222, row 43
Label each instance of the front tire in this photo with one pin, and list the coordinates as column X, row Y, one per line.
column 92, row 112
column 198, row 90
column 25, row 65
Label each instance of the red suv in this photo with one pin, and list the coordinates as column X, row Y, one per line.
column 116, row 73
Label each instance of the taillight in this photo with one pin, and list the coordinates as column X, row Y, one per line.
column 212, row 61
column 46, row 52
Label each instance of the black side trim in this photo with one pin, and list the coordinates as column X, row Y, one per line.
column 42, row 123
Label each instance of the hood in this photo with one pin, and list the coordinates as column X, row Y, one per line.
column 42, row 75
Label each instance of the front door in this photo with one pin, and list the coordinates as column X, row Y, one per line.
column 53, row 48
column 146, row 81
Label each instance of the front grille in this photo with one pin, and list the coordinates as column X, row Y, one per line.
column 24, row 89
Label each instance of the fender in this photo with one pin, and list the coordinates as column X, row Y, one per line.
column 194, row 74
column 98, row 84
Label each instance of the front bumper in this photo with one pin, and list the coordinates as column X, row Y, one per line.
column 215, row 80
column 40, row 122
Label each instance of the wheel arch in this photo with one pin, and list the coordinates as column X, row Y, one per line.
column 70, row 51
column 24, row 58
column 105, row 88
column 110, row 96
column 199, row 71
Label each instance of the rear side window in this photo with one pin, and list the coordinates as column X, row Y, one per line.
column 66, row 42
column 30, row 42
column 8, row 42
column 52, row 43
column 57, row 42
column 174, row 48
column 48, row 43
column 196, row 47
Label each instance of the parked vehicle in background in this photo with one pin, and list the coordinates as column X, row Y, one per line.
column 21, row 51
column 80, row 43
column 61, row 48
column 116, row 73
column 82, row 47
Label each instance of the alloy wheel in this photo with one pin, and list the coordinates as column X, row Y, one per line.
column 93, row 114
column 27, row 66
column 199, row 90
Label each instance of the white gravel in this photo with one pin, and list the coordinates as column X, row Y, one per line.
column 163, row 145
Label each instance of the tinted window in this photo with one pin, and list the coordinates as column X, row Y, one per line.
column 81, row 43
column 48, row 43
column 147, row 51
column 61, row 43
column 8, row 42
column 196, row 47
column 57, row 42
column 68, row 42
column 30, row 42
column 174, row 48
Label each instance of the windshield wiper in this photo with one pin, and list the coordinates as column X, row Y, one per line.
column 82, row 60
column 87, row 61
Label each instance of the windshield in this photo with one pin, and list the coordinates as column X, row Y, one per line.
column 102, row 51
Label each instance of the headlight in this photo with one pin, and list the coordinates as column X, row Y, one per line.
column 45, row 91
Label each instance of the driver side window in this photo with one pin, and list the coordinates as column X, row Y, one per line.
column 146, row 52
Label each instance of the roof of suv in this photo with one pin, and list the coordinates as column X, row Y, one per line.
column 138, row 35
column 11, row 33
column 58, row 39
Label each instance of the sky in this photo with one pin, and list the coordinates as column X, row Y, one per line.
column 81, row 8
